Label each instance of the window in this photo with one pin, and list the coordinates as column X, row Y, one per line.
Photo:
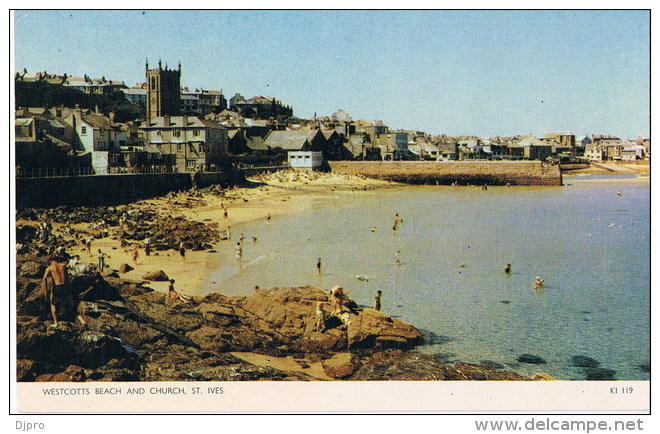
column 83, row 130
column 195, row 133
column 158, row 133
column 177, row 133
column 178, row 147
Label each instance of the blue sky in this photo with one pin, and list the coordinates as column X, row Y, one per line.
column 454, row 72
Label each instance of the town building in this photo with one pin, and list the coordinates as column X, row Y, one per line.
column 305, row 159
column 163, row 91
column 98, row 135
column 284, row 141
column 259, row 107
column 561, row 143
column 198, row 144
column 529, row 148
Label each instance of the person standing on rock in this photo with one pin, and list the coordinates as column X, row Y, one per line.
column 147, row 246
column 320, row 317
column 337, row 299
column 377, row 300
column 56, row 271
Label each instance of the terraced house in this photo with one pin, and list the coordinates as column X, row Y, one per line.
column 196, row 143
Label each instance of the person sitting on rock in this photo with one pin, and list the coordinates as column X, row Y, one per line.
column 337, row 298
column 172, row 295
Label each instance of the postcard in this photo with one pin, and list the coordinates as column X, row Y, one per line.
column 331, row 212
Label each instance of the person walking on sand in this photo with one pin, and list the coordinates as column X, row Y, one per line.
column 100, row 263
column 318, row 265
column 134, row 256
column 182, row 250
column 377, row 300
column 507, row 268
column 89, row 246
column 239, row 252
column 54, row 293
column 397, row 221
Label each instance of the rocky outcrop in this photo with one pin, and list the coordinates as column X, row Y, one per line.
column 133, row 333
column 291, row 313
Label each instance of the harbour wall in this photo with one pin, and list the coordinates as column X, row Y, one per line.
column 110, row 189
column 460, row 172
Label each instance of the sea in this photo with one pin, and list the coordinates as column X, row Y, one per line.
column 443, row 269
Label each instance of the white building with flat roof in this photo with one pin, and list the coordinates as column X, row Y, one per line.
column 305, row 159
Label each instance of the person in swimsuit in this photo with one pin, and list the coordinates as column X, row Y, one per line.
column 56, row 271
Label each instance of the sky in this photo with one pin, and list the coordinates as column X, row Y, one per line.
column 482, row 73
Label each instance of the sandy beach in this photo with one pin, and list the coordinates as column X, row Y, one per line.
column 276, row 194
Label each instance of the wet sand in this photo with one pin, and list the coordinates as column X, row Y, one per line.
column 281, row 193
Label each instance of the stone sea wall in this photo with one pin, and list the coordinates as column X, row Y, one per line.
column 461, row 172
column 107, row 189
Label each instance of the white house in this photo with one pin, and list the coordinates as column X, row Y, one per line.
column 98, row 135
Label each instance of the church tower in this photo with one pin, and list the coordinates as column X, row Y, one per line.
column 163, row 91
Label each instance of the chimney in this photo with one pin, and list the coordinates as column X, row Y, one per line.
column 166, row 121
column 185, row 120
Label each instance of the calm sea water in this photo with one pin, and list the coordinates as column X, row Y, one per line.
column 590, row 245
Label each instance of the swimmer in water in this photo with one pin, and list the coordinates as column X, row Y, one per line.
column 538, row 283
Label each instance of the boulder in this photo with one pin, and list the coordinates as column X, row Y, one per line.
column 155, row 276
column 599, row 374
column 340, row 365
column 532, row 359
column 371, row 328
column 584, row 362
column 125, row 268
